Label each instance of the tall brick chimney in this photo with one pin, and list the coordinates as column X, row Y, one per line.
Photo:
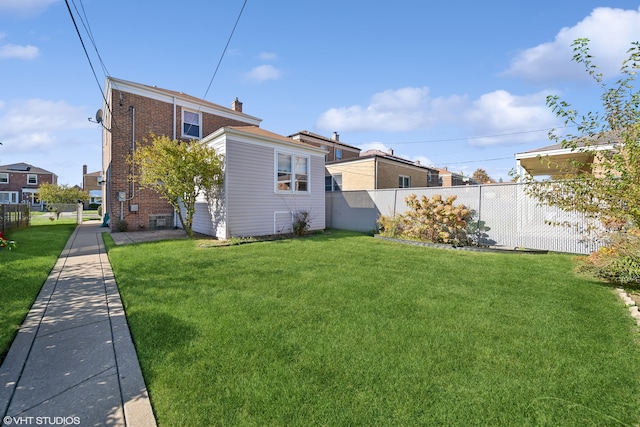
column 236, row 105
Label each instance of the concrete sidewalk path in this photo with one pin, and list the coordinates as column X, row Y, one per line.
column 73, row 361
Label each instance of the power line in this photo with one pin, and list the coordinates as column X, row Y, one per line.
column 85, row 52
column 481, row 137
column 87, row 28
column 225, row 49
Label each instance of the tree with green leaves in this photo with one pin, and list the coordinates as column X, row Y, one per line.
column 179, row 172
column 55, row 196
column 606, row 185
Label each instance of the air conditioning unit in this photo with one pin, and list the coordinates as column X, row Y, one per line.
column 160, row 221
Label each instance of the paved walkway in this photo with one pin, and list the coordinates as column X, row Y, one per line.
column 73, row 361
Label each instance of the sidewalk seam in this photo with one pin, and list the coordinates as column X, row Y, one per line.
column 16, row 354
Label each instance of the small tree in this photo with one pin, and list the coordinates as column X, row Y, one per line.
column 55, row 195
column 481, row 176
column 179, row 172
column 607, row 186
column 606, row 189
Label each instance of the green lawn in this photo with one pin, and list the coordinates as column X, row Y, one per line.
column 24, row 270
column 346, row 330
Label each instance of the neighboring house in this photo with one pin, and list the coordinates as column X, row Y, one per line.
column 92, row 184
column 452, row 179
column 336, row 150
column 553, row 160
column 268, row 178
column 19, row 183
column 251, row 202
column 375, row 169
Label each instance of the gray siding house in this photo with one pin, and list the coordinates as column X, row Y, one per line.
column 267, row 179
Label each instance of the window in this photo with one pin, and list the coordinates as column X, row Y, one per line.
column 333, row 183
column 32, row 178
column 7, row 197
column 191, row 124
column 302, row 173
column 338, row 153
column 292, row 173
column 404, row 181
column 4, row 178
column 326, row 156
column 284, row 172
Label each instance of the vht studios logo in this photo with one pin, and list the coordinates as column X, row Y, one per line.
column 40, row 421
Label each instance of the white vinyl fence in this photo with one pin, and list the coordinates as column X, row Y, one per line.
column 512, row 218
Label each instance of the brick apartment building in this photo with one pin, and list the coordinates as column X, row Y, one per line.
column 135, row 111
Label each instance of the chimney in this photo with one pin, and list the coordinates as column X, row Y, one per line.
column 391, row 151
column 417, row 162
column 236, row 105
column 335, row 137
column 84, row 170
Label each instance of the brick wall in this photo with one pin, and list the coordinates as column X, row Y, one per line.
column 151, row 116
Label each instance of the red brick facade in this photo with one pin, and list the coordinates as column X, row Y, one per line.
column 16, row 187
column 135, row 112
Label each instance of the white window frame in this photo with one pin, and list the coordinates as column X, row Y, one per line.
column 293, row 175
column 183, row 122
column 404, row 181
column 12, row 200
column 32, row 175
column 4, row 178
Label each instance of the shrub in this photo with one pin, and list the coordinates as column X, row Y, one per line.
column 619, row 262
column 122, row 225
column 301, row 222
column 434, row 220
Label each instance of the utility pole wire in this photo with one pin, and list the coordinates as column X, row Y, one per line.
column 225, row 49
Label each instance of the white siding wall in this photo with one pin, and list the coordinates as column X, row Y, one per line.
column 253, row 206
column 210, row 219
column 250, row 205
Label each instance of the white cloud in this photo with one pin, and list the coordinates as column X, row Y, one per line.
column 374, row 146
column 25, row 8
column 268, row 56
column 495, row 113
column 509, row 117
column 36, row 124
column 424, row 161
column 404, row 109
column 9, row 51
column 262, row 73
column 610, row 32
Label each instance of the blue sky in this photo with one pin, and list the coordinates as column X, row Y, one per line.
column 457, row 84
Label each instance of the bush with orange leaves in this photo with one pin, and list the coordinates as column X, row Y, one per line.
column 619, row 261
column 434, row 220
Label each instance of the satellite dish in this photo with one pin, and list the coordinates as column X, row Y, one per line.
column 99, row 116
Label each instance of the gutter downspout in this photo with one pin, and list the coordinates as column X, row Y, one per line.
column 175, row 110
